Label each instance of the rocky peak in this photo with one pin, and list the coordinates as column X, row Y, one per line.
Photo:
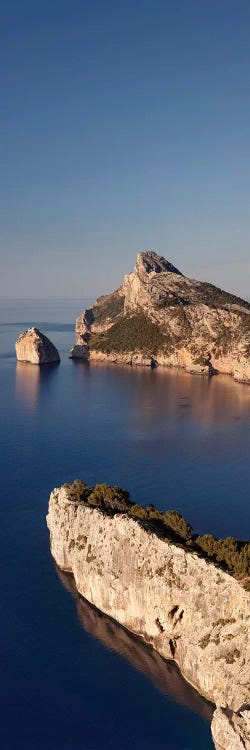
column 196, row 325
column 149, row 261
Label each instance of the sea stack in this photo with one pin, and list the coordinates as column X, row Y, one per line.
column 32, row 346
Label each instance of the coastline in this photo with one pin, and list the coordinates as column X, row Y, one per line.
column 101, row 358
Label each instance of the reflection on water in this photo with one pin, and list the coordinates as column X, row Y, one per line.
column 185, row 397
column 27, row 384
column 172, row 394
column 29, row 380
column 163, row 674
column 180, row 403
column 154, row 396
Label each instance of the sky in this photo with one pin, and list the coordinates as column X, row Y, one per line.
column 125, row 126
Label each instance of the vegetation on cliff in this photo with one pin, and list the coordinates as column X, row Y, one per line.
column 230, row 554
column 131, row 333
column 108, row 306
column 212, row 296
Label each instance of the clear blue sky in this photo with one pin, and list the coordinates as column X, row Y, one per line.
column 125, row 126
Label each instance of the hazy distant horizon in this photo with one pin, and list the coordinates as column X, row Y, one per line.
column 125, row 126
column 216, row 279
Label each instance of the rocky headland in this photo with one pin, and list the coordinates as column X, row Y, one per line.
column 183, row 595
column 160, row 317
column 32, row 346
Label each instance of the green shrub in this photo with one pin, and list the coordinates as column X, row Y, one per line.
column 77, row 491
column 109, row 498
column 175, row 521
column 137, row 511
column 206, row 544
column 230, row 554
column 108, row 306
column 213, row 296
column 131, row 333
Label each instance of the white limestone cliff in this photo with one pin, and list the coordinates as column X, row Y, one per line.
column 231, row 731
column 184, row 606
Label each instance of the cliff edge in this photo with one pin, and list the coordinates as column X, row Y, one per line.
column 160, row 317
column 183, row 605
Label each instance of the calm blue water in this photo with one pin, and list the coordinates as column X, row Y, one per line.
column 170, row 438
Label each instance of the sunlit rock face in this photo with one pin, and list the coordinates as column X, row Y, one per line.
column 165, row 318
column 231, row 731
column 185, row 607
column 32, row 346
column 163, row 674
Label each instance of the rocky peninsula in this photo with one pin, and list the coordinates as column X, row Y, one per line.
column 160, row 317
column 183, row 595
column 32, row 346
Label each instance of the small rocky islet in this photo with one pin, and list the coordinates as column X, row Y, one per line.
column 34, row 347
column 185, row 596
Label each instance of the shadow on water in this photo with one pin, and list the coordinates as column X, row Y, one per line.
column 164, row 674
column 31, row 380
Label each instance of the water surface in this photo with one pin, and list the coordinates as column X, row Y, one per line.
column 173, row 439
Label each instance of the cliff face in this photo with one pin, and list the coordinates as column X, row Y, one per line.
column 163, row 674
column 186, row 608
column 159, row 316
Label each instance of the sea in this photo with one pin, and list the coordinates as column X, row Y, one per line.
column 70, row 678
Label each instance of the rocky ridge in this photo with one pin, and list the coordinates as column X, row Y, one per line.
column 32, row 346
column 185, row 607
column 160, row 317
